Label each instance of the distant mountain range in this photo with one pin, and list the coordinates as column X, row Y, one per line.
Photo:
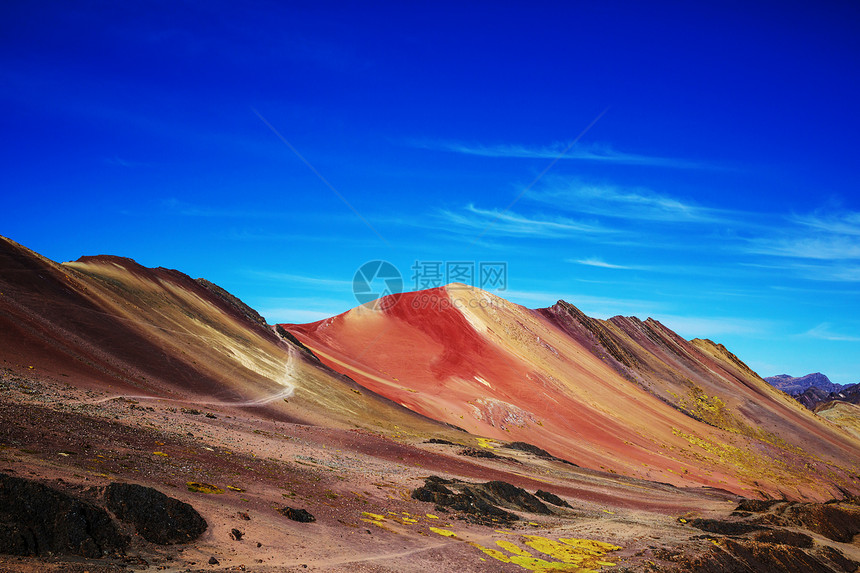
column 815, row 389
column 793, row 386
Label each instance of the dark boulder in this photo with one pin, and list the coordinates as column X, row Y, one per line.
column 482, row 503
column 516, row 497
column 725, row 527
column 156, row 517
column 837, row 559
column 36, row 519
column 536, row 451
column 756, row 505
column 784, row 537
column 484, row 453
column 834, row 521
column 551, row 498
column 300, row 515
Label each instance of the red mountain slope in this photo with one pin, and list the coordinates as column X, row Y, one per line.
column 622, row 395
column 111, row 324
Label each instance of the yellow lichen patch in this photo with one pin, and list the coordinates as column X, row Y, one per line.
column 408, row 520
column 199, row 487
column 580, row 555
column 511, row 548
column 431, row 516
column 234, row 488
column 162, row 454
column 590, row 544
column 494, row 553
column 487, row 443
column 374, row 516
column 443, row 532
column 585, row 553
column 531, row 563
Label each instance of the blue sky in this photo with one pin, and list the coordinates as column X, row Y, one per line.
column 274, row 148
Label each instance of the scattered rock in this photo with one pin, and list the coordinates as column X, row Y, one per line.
column 516, row 496
column 236, row 535
column 478, row 453
column 536, row 451
column 784, row 537
column 479, row 501
column 484, row 453
column 243, row 515
column 837, row 559
column 213, row 561
column 156, row 517
column 440, row 441
column 36, row 520
column 300, row 515
column 551, row 498
column 199, row 487
column 756, row 505
column 529, row 448
column 743, row 556
column 467, row 501
column 834, row 521
column 725, row 527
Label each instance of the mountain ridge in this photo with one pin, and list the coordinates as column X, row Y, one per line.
column 115, row 372
column 796, row 385
column 480, row 345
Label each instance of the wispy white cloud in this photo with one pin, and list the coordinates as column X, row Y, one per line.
column 823, row 331
column 339, row 284
column 593, row 262
column 713, row 326
column 597, row 152
column 498, row 222
column 821, row 244
column 826, row 271
column 842, row 223
column 635, row 203
column 827, row 247
column 601, row 307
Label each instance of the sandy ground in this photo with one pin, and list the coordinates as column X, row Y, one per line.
column 356, row 483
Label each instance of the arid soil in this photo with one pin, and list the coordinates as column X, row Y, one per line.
column 358, row 486
column 132, row 397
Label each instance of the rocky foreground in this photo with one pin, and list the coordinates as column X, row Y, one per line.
column 88, row 484
column 150, row 421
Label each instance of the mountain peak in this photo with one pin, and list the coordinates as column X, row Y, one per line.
column 797, row 385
